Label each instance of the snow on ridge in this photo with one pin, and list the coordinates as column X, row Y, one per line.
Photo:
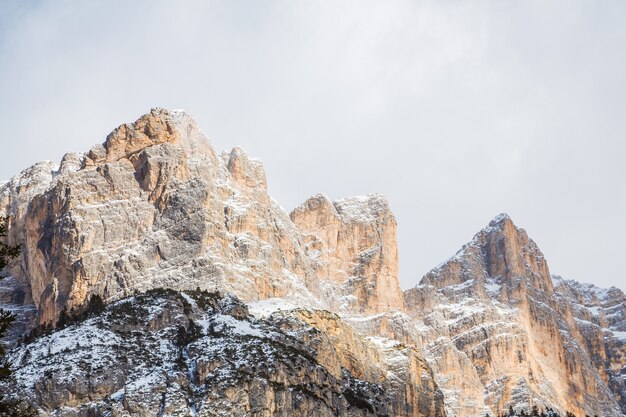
column 618, row 335
column 365, row 208
column 492, row 287
column 240, row 327
column 267, row 307
column 587, row 289
column 77, row 337
column 39, row 175
column 500, row 218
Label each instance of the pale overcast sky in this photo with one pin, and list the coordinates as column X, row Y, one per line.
column 456, row 111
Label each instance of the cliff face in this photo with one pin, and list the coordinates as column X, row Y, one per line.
column 352, row 242
column 155, row 206
column 499, row 335
column 596, row 319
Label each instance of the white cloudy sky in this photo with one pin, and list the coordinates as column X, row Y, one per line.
column 456, row 111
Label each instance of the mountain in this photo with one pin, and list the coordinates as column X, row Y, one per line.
column 502, row 335
column 155, row 206
column 198, row 353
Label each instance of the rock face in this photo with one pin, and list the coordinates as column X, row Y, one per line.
column 499, row 334
column 197, row 353
column 155, row 206
column 352, row 243
column 596, row 320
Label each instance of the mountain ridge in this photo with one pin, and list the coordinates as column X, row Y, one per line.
column 156, row 206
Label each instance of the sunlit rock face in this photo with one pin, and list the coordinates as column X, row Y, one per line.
column 499, row 333
column 352, row 243
column 156, row 206
column 596, row 318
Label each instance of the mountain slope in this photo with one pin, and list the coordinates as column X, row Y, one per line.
column 201, row 354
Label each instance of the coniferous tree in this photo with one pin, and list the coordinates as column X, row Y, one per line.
column 96, row 305
column 64, row 319
column 8, row 407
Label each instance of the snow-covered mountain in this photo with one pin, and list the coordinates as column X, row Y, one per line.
column 197, row 353
column 156, row 207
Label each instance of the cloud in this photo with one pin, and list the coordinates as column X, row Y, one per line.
column 456, row 111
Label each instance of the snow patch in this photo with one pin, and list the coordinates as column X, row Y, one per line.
column 267, row 307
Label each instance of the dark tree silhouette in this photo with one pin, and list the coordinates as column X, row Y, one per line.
column 96, row 305
column 8, row 407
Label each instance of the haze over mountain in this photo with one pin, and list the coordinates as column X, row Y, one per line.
column 222, row 303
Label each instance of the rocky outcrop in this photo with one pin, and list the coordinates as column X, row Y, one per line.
column 353, row 243
column 499, row 336
column 197, row 353
column 596, row 319
column 155, row 206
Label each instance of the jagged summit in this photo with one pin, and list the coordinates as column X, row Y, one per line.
column 501, row 251
column 319, row 203
column 155, row 206
column 364, row 208
column 500, row 218
column 501, row 221
column 158, row 127
column 524, row 331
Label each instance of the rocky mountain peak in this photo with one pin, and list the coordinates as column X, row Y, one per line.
column 154, row 205
column 509, row 253
column 353, row 242
column 158, row 127
column 128, row 139
column 511, row 337
column 501, row 253
column 500, row 219
column 245, row 171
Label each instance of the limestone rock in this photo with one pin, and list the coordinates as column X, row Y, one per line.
column 155, row 206
column 353, row 243
column 499, row 335
column 169, row 353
